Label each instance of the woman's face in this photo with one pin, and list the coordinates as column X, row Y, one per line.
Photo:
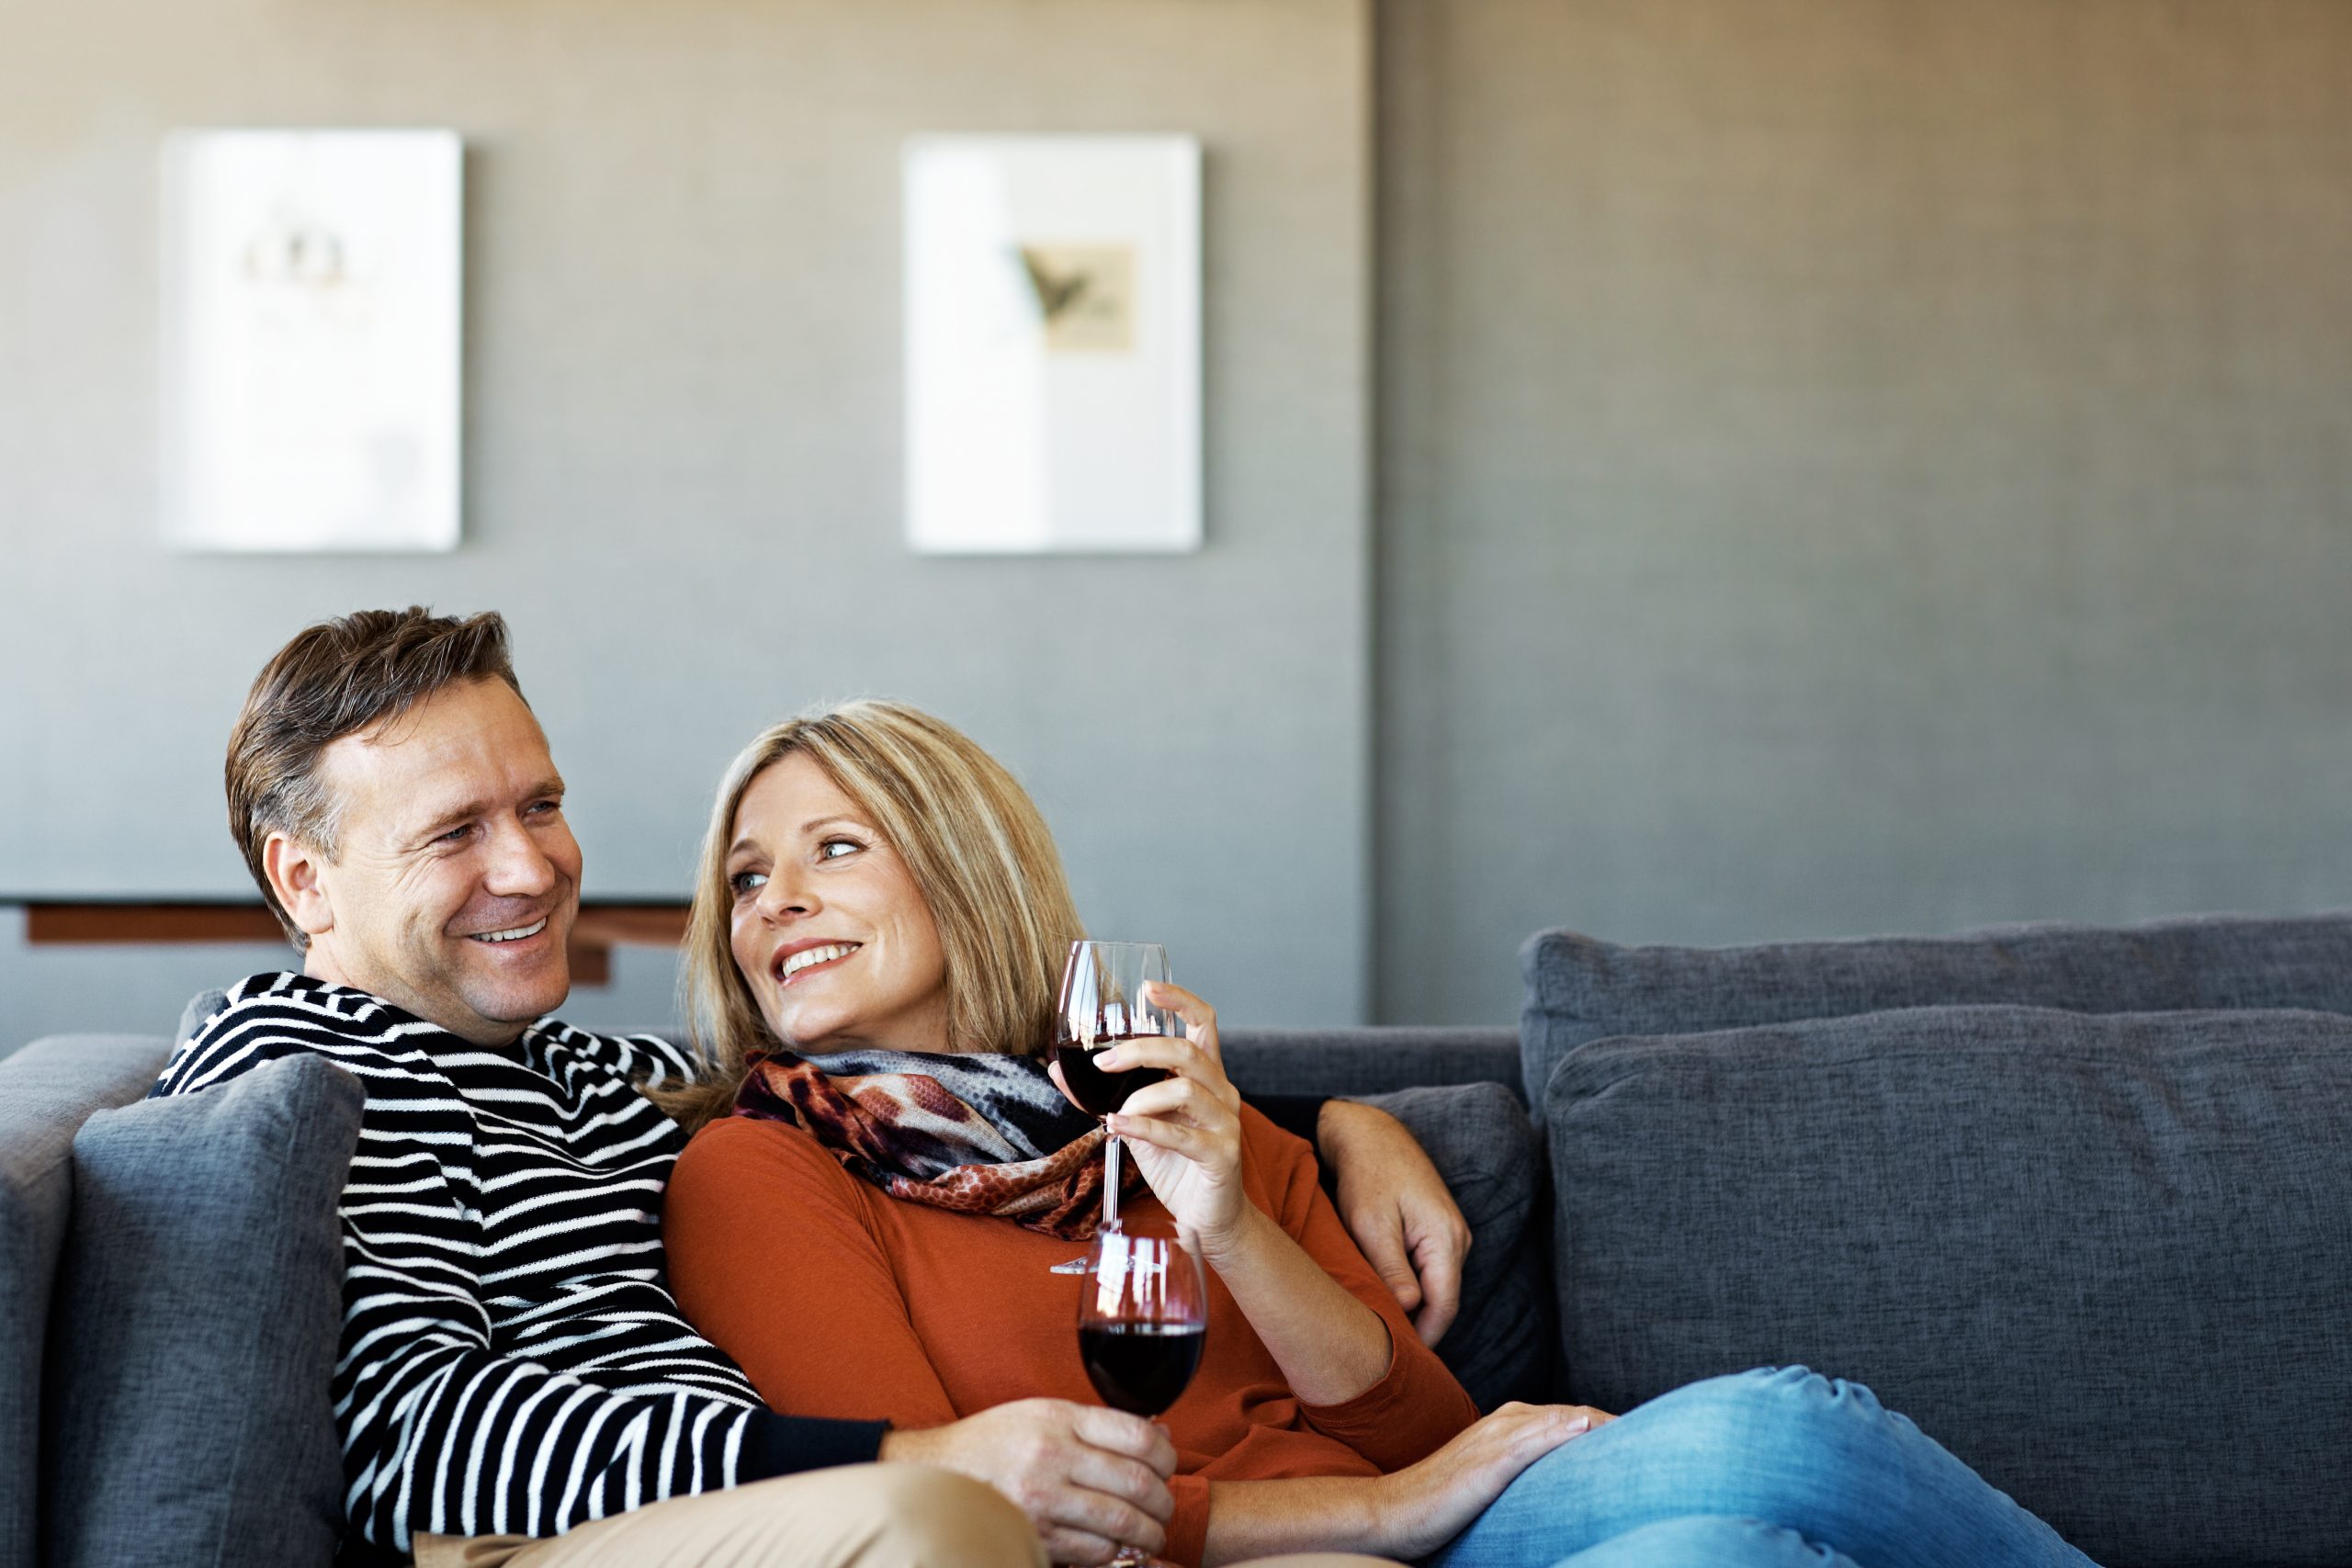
column 829, row 930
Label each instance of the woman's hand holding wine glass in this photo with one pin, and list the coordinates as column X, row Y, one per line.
column 1166, row 1098
column 1184, row 1131
column 1141, row 1052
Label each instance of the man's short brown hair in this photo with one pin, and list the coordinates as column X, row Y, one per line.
column 336, row 679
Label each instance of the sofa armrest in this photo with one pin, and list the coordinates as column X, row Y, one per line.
column 47, row 1091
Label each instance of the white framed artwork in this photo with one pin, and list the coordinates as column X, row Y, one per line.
column 312, row 320
column 1053, row 343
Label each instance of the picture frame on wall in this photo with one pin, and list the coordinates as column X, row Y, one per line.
column 312, row 321
column 1053, row 343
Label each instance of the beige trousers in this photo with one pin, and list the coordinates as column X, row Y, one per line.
column 862, row 1515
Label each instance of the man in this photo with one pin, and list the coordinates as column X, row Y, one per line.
column 514, row 1382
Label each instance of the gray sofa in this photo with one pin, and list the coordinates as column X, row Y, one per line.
column 2077, row 1199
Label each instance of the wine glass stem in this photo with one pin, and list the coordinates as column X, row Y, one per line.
column 1110, row 1183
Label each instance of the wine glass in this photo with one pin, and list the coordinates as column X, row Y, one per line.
column 1101, row 1004
column 1143, row 1320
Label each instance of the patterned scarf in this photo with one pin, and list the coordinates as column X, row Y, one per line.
column 978, row 1134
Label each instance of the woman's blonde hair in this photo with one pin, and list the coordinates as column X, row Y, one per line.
column 974, row 841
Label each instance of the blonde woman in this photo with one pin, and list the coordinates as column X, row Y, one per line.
column 885, row 1174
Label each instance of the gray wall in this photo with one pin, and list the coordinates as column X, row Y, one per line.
column 682, row 443
column 1857, row 465
column 1844, row 464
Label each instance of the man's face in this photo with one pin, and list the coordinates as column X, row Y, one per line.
column 458, row 879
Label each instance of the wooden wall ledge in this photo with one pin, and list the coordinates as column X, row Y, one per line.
column 600, row 928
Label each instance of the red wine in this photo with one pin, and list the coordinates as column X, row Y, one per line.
column 1095, row 1090
column 1140, row 1368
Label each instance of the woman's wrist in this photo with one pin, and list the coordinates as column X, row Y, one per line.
column 1232, row 1249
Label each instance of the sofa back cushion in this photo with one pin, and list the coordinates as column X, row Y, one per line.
column 47, row 1091
column 2106, row 1260
column 1580, row 989
column 189, row 1418
column 1369, row 1060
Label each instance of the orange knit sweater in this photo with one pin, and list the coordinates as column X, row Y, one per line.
column 841, row 1300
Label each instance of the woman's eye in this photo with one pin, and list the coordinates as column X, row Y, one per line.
column 833, row 849
column 743, row 881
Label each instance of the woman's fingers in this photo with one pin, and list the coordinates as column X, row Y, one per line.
column 1530, row 1431
column 1200, row 1019
column 1182, row 1097
column 1174, row 1137
column 1171, row 1054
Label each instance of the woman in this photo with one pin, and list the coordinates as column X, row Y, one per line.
column 879, row 924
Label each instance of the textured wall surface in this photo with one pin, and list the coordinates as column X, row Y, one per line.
column 683, row 439
column 1845, row 464
column 1857, row 466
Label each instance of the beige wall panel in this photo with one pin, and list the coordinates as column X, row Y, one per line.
column 1858, row 466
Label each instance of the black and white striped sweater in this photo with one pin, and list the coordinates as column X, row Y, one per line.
column 512, row 1360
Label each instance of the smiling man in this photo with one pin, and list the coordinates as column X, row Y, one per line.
column 443, row 877
column 516, row 1384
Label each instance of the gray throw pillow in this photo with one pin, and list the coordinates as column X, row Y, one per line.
column 47, row 1091
column 198, row 1308
column 2106, row 1260
column 1580, row 989
column 1479, row 1138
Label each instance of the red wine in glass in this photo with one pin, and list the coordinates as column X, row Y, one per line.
column 1140, row 1368
column 1097, row 1093
column 1143, row 1320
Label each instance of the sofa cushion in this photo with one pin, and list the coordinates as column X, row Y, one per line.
column 1479, row 1138
column 1580, row 989
column 47, row 1091
column 2107, row 1261
column 199, row 1307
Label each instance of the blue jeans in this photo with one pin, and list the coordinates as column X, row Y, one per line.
column 1770, row 1469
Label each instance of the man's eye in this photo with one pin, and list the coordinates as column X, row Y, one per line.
column 743, row 881
column 541, row 808
column 455, row 835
